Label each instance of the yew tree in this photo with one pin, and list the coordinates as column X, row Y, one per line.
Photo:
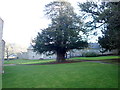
column 111, row 35
column 63, row 34
column 105, row 17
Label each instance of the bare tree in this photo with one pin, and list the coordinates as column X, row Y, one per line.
column 13, row 49
column 9, row 50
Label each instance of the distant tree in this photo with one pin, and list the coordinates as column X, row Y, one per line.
column 105, row 16
column 12, row 49
column 9, row 50
column 62, row 34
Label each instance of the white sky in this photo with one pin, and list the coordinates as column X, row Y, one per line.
column 23, row 19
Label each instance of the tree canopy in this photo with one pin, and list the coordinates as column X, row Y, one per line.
column 63, row 34
column 106, row 17
column 111, row 36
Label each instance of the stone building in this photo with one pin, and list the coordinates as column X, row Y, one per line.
column 34, row 55
column 2, row 46
column 92, row 47
column 30, row 54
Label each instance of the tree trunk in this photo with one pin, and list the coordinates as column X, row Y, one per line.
column 7, row 56
column 118, row 52
column 7, row 52
column 60, row 57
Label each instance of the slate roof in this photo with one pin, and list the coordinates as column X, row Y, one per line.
column 91, row 46
column 94, row 45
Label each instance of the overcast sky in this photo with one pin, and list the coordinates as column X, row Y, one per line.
column 23, row 19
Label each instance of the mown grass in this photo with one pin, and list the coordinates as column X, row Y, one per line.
column 22, row 61
column 0, row 81
column 73, row 75
column 95, row 58
column 45, row 61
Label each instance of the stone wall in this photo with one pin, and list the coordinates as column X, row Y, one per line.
column 2, row 46
column 30, row 54
column 22, row 55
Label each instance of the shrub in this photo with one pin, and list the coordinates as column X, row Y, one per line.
column 89, row 54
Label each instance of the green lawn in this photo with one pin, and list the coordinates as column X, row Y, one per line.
column 20, row 61
column 73, row 75
column 44, row 61
column 0, row 81
column 96, row 58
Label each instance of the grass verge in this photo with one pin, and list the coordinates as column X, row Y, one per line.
column 96, row 58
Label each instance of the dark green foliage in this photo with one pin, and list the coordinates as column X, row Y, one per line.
column 111, row 35
column 62, row 34
column 105, row 16
column 91, row 12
